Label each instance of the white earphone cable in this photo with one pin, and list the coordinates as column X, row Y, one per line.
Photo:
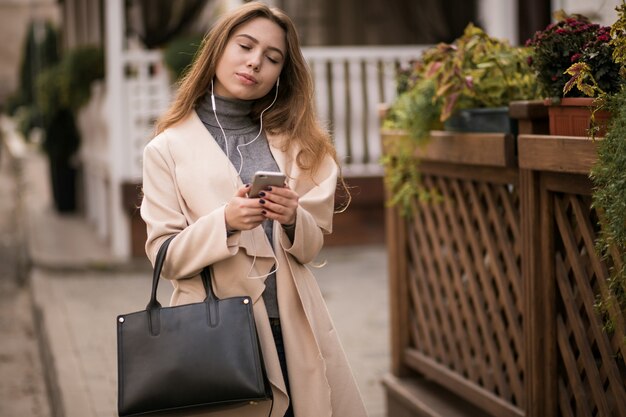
column 241, row 167
column 247, row 143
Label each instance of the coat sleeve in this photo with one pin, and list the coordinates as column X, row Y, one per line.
column 196, row 245
column 314, row 215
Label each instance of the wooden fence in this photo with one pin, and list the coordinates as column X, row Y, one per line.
column 493, row 288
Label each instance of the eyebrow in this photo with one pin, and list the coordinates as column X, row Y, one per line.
column 253, row 39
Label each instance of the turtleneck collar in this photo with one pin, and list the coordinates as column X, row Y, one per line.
column 233, row 114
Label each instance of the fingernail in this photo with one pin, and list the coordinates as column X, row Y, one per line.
column 262, row 201
column 247, row 185
column 269, row 188
column 263, row 212
column 261, row 194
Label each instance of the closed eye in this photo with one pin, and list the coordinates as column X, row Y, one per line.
column 246, row 47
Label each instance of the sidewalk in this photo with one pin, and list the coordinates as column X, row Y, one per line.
column 79, row 289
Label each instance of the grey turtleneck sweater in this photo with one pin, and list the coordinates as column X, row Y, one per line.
column 234, row 117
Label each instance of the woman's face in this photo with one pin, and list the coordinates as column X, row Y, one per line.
column 252, row 60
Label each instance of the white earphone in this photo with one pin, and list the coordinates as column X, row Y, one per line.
column 241, row 163
column 260, row 122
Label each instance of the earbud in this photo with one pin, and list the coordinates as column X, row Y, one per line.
column 277, row 81
column 212, row 96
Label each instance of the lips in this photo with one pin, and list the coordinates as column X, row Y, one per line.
column 246, row 78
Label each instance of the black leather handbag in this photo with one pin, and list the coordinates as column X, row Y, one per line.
column 197, row 355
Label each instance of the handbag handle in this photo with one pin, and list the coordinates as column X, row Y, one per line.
column 158, row 266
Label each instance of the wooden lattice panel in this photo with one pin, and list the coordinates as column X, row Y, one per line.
column 591, row 370
column 465, row 301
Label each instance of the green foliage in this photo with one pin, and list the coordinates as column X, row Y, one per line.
column 179, row 53
column 81, row 67
column 417, row 112
column 49, row 91
column 609, row 198
column 68, row 84
column 618, row 38
column 479, row 71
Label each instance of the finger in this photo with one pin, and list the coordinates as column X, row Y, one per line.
column 280, row 218
column 276, row 199
column 283, row 198
column 242, row 191
column 282, row 191
column 277, row 212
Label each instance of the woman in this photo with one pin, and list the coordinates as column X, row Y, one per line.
column 246, row 105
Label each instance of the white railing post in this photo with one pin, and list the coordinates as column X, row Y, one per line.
column 114, row 44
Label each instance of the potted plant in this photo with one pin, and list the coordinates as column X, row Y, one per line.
column 447, row 88
column 62, row 90
column 573, row 61
column 479, row 75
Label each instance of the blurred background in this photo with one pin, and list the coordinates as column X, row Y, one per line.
column 81, row 85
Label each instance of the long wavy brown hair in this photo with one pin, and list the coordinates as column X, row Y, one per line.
column 293, row 112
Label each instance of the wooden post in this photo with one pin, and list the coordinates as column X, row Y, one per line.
column 395, row 231
column 539, row 297
column 531, row 116
column 398, row 291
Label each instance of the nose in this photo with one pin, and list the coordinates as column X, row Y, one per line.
column 254, row 62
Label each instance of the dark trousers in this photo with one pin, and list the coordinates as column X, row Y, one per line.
column 280, row 347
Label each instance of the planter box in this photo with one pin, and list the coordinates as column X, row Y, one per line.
column 572, row 117
column 488, row 120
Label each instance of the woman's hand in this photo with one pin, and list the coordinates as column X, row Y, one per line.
column 243, row 213
column 279, row 204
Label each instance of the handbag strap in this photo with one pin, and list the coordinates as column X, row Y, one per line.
column 206, row 275
column 156, row 275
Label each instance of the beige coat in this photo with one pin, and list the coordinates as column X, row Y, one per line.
column 187, row 182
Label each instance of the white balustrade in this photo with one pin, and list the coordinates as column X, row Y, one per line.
column 147, row 96
column 350, row 83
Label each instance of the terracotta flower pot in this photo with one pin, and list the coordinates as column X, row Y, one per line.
column 572, row 117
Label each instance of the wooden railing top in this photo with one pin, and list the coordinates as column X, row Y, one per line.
column 481, row 149
column 565, row 154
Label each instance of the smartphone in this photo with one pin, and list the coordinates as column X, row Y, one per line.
column 264, row 179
